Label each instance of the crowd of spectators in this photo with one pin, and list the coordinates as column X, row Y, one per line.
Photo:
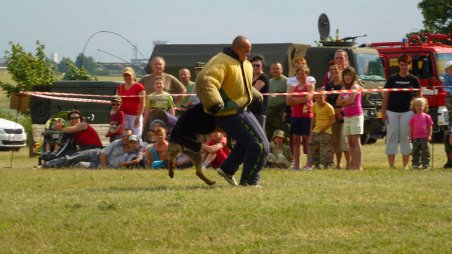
column 320, row 126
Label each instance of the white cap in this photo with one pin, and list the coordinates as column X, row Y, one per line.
column 448, row 64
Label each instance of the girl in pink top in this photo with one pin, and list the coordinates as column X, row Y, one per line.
column 300, row 121
column 420, row 132
column 353, row 116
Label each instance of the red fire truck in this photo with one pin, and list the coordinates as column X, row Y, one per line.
column 429, row 61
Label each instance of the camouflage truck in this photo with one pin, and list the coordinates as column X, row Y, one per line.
column 365, row 60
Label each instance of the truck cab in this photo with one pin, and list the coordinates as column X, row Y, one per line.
column 429, row 62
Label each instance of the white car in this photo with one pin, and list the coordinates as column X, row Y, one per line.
column 12, row 135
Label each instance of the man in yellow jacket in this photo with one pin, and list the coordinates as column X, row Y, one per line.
column 225, row 89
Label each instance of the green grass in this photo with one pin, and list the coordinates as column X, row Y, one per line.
column 143, row 211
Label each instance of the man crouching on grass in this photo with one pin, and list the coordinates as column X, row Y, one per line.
column 225, row 88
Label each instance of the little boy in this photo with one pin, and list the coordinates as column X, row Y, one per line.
column 280, row 154
column 320, row 141
column 215, row 150
column 54, row 140
column 159, row 99
column 116, row 120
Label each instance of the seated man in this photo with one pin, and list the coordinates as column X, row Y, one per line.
column 112, row 155
column 133, row 158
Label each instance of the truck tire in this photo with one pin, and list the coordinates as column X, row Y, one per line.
column 371, row 141
column 365, row 138
column 40, row 111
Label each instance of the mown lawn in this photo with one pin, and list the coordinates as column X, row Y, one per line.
column 143, row 211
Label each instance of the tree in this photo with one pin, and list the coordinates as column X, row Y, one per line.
column 88, row 63
column 437, row 15
column 65, row 64
column 75, row 73
column 27, row 69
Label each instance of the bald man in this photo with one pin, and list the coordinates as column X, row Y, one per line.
column 225, row 89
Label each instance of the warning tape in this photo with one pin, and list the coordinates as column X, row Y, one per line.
column 66, row 96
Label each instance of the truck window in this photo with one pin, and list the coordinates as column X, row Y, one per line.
column 441, row 61
column 369, row 67
column 422, row 67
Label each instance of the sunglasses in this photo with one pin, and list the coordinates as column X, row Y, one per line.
column 115, row 104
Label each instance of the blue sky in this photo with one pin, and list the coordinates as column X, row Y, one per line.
column 64, row 26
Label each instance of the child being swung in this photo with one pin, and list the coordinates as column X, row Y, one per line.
column 420, row 132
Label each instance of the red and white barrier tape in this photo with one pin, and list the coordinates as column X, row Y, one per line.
column 64, row 96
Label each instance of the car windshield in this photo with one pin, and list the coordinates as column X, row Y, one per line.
column 370, row 67
column 441, row 62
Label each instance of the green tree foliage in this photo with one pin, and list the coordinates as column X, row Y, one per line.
column 87, row 63
column 27, row 69
column 65, row 64
column 75, row 73
column 437, row 15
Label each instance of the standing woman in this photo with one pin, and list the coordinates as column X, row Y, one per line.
column 133, row 100
column 261, row 83
column 396, row 112
column 340, row 143
column 353, row 116
column 300, row 119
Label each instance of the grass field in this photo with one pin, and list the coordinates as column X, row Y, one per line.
column 143, row 211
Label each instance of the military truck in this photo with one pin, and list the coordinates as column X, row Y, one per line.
column 41, row 108
column 365, row 60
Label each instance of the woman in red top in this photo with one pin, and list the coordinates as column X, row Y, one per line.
column 133, row 97
column 300, row 120
column 85, row 136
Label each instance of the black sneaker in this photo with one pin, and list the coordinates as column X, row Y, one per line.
column 230, row 179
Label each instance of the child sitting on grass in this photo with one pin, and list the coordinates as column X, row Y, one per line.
column 157, row 153
column 280, row 155
column 215, row 150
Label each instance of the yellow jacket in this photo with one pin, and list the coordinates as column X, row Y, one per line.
column 221, row 83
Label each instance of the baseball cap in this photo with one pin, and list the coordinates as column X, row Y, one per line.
column 199, row 65
column 116, row 99
column 129, row 70
column 133, row 138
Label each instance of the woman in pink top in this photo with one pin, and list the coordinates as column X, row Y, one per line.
column 300, row 120
column 353, row 116
column 133, row 100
